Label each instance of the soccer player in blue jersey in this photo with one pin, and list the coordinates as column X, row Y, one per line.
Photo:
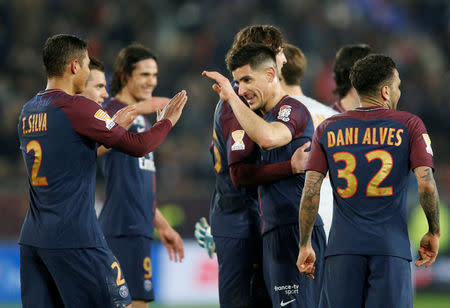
column 343, row 62
column 64, row 258
column 285, row 126
column 129, row 214
column 234, row 217
column 292, row 72
column 369, row 152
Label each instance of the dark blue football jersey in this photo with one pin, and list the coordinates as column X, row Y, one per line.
column 58, row 134
column 232, row 209
column 279, row 201
column 129, row 207
column 369, row 153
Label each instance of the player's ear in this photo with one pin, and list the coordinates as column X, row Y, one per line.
column 74, row 65
column 385, row 93
column 271, row 73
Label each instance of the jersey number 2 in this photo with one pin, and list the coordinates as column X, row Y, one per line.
column 373, row 189
column 119, row 279
column 34, row 146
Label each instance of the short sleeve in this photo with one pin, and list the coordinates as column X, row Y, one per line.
column 89, row 120
column 317, row 158
column 421, row 153
column 294, row 115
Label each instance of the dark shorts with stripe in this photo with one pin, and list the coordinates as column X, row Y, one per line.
column 285, row 284
column 366, row 281
column 76, row 277
column 134, row 255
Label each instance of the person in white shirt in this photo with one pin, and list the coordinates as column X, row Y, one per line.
column 292, row 74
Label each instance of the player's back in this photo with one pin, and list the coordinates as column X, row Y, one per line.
column 369, row 158
column 61, row 167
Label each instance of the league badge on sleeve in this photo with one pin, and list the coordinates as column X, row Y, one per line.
column 427, row 140
column 103, row 116
column 238, row 138
column 284, row 113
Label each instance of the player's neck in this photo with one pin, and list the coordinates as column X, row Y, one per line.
column 60, row 84
column 351, row 100
column 370, row 101
column 274, row 99
column 293, row 90
column 125, row 97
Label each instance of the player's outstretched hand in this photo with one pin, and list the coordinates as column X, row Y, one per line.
column 152, row 105
column 222, row 86
column 428, row 250
column 305, row 261
column 300, row 158
column 173, row 242
column 174, row 108
column 125, row 116
column 204, row 237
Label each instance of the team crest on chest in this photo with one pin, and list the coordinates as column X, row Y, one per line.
column 103, row 116
column 427, row 140
column 238, row 138
column 284, row 113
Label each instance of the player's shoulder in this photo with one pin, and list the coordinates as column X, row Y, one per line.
column 315, row 106
column 113, row 105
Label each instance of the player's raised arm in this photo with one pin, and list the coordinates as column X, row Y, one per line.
column 152, row 105
column 266, row 135
column 139, row 144
column 429, row 199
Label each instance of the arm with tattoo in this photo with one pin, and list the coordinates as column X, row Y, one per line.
column 309, row 205
column 429, row 199
column 428, row 196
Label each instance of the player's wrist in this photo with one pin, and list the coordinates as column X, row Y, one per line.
column 435, row 233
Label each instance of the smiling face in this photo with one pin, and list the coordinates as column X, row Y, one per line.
column 95, row 88
column 254, row 85
column 143, row 80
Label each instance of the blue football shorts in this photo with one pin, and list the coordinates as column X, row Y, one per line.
column 75, row 277
column 134, row 255
column 366, row 281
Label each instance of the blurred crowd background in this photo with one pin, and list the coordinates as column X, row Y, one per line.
column 191, row 36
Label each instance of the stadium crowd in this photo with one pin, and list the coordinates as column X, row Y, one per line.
column 190, row 36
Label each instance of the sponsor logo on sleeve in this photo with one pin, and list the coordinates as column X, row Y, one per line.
column 284, row 113
column 103, row 116
column 427, row 140
column 238, row 138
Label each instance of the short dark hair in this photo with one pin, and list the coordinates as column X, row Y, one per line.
column 126, row 63
column 96, row 64
column 257, row 34
column 252, row 54
column 370, row 73
column 61, row 49
column 295, row 66
column 345, row 58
